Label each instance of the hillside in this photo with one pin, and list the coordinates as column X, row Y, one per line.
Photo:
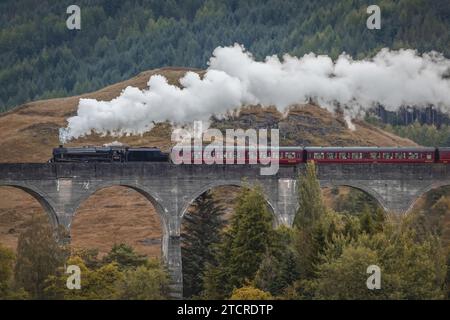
column 29, row 132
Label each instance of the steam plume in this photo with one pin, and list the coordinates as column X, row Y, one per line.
column 234, row 78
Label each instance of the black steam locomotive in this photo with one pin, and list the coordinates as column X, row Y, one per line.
column 108, row 154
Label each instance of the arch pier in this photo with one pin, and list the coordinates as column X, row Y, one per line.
column 62, row 187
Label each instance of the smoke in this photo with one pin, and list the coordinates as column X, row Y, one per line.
column 234, row 78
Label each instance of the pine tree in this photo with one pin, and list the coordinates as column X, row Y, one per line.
column 125, row 257
column 244, row 247
column 279, row 267
column 311, row 205
column 202, row 229
column 250, row 235
column 38, row 256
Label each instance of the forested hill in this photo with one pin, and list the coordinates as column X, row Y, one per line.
column 41, row 58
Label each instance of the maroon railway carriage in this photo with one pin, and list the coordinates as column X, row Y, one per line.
column 370, row 154
column 443, row 155
column 285, row 155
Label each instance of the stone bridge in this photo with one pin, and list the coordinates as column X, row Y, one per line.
column 62, row 188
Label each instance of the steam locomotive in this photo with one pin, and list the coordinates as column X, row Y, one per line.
column 285, row 155
column 108, row 154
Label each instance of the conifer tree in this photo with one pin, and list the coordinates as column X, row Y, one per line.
column 202, row 229
column 244, row 247
column 38, row 256
column 125, row 257
column 250, row 234
column 311, row 205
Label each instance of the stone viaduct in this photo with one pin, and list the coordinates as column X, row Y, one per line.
column 62, row 188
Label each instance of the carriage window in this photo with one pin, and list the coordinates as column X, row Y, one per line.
column 413, row 155
column 357, row 155
column 290, row 155
column 330, row 155
column 344, row 155
column 374, row 155
column 387, row 155
column 400, row 155
column 318, row 155
column 429, row 156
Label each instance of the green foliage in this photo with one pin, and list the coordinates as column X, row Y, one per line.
column 330, row 233
column 279, row 267
column 108, row 280
column 201, row 232
column 355, row 202
column 372, row 222
column 124, row 256
column 410, row 269
column 6, row 270
column 333, row 251
column 345, row 277
column 38, row 256
column 95, row 283
column 245, row 244
column 41, row 58
column 150, row 282
column 311, row 205
column 250, row 234
column 425, row 135
column 447, row 278
column 88, row 255
column 250, row 293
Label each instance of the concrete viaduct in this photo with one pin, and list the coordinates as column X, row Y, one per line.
column 62, row 188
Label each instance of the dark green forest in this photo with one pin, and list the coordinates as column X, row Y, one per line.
column 41, row 58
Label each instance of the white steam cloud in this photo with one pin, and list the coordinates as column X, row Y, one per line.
column 234, row 78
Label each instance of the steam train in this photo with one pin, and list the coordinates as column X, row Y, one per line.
column 285, row 155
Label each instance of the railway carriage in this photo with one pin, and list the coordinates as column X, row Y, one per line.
column 443, row 155
column 370, row 154
column 242, row 155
